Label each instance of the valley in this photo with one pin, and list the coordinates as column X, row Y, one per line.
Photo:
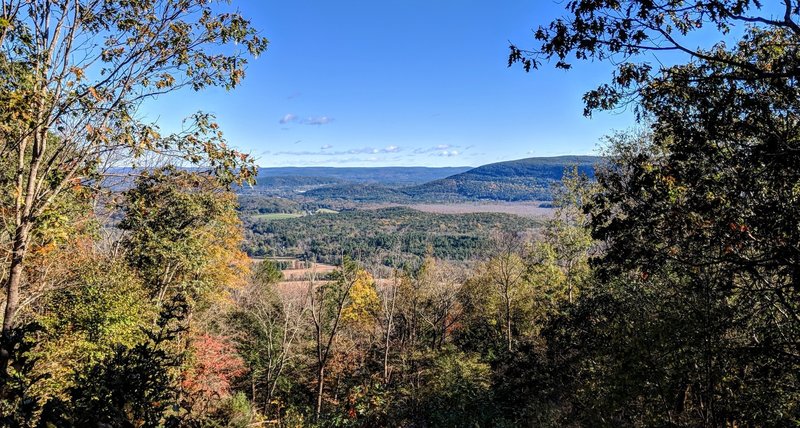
column 396, row 216
column 529, row 179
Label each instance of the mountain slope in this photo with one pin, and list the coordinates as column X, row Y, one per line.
column 393, row 176
column 358, row 192
column 368, row 183
column 518, row 180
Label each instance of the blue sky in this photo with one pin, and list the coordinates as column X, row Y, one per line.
column 377, row 83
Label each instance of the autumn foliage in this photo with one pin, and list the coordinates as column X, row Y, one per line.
column 215, row 366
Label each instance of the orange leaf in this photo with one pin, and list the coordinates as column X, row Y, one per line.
column 94, row 93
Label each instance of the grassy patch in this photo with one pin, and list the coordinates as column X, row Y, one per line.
column 277, row 216
column 326, row 211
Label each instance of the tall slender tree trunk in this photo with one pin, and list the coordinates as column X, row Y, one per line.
column 320, row 387
column 15, row 277
column 12, row 292
column 507, row 298
column 23, row 207
column 386, row 360
column 569, row 281
column 508, row 328
column 389, row 326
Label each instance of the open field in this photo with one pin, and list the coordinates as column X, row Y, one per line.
column 294, row 269
column 318, row 269
column 277, row 216
column 326, row 211
column 523, row 209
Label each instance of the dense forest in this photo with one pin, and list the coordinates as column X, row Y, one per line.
column 393, row 235
column 664, row 292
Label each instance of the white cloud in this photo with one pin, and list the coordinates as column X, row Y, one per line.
column 288, row 117
column 324, row 151
column 438, row 150
column 319, row 120
column 312, row 120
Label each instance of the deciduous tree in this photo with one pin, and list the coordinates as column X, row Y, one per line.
column 183, row 235
column 74, row 76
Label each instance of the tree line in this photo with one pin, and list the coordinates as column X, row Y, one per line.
column 388, row 236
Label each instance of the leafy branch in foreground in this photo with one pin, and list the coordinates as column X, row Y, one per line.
column 621, row 32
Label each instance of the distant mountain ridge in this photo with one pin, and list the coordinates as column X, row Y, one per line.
column 522, row 179
column 517, row 180
column 388, row 176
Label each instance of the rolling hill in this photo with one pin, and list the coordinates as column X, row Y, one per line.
column 393, row 176
column 294, row 181
column 358, row 192
column 518, row 180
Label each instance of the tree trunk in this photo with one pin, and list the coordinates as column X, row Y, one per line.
column 253, row 389
column 569, row 281
column 336, row 388
column 508, row 328
column 320, row 386
column 507, row 299
column 12, row 291
column 386, row 360
column 24, row 218
column 389, row 326
column 15, row 277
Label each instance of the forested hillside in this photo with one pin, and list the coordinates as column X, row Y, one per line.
column 523, row 179
column 380, row 183
column 663, row 290
column 358, row 193
column 387, row 176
